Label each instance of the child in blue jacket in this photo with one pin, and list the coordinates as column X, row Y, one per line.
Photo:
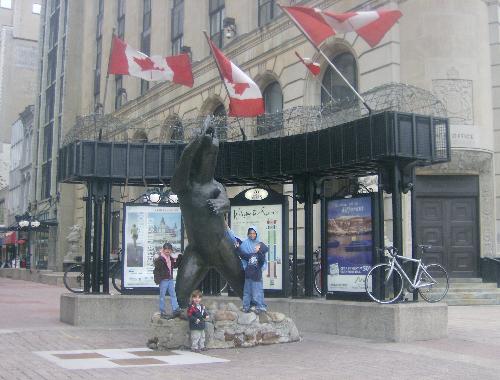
column 253, row 252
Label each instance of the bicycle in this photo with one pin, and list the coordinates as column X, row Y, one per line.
column 300, row 274
column 384, row 282
column 74, row 275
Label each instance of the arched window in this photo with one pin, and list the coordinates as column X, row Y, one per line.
column 220, row 123
column 172, row 130
column 335, row 85
column 273, row 103
column 273, row 98
column 140, row 136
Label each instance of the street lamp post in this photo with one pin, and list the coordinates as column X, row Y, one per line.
column 28, row 222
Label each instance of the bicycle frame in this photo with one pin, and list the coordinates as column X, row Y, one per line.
column 393, row 262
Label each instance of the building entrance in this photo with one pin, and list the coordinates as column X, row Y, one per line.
column 447, row 220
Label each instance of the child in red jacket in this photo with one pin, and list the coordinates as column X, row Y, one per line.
column 197, row 315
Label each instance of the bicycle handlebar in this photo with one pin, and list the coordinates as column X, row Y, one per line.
column 394, row 252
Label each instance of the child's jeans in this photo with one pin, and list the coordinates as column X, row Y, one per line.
column 168, row 286
column 253, row 293
column 197, row 339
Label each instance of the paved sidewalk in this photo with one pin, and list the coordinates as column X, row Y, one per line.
column 29, row 315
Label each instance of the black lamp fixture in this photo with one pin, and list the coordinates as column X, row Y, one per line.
column 187, row 50
column 157, row 196
column 27, row 221
column 123, row 93
column 229, row 25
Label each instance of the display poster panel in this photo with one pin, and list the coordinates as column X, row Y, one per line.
column 268, row 219
column 349, row 243
column 146, row 229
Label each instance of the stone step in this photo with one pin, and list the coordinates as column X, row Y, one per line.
column 473, row 295
column 464, row 279
column 451, row 289
column 483, row 285
column 470, row 302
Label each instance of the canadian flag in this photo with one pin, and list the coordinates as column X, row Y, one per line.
column 319, row 25
column 245, row 98
column 125, row 60
column 312, row 66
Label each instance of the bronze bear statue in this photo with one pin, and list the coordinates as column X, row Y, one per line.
column 203, row 203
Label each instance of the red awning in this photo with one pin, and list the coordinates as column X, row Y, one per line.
column 10, row 238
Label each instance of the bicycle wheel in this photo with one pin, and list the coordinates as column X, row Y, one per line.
column 73, row 278
column 116, row 278
column 433, row 283
column 317, row 281
column 384, row 284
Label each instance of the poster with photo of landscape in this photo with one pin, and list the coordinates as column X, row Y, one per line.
column 349, row 243
column 145, row 230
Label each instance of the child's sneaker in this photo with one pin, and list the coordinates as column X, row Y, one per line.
column 195, row 350
column 204, row 349
column 163, row 315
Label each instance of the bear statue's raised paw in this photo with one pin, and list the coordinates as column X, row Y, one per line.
column 216, row 206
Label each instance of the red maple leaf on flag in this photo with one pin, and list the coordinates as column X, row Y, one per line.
column 239, row 88
column 147, row 64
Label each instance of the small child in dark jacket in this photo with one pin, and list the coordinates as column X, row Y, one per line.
column 197, row 315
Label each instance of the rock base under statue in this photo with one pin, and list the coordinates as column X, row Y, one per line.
column 228, row 327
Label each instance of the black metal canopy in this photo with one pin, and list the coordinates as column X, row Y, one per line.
column 353, row 149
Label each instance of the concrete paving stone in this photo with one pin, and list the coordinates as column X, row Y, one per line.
column 30, row 322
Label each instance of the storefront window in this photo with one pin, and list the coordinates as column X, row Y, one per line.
column 41, row 249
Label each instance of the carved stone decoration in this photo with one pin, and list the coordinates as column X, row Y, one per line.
column 456, row 95
column 73, row 238
column 481, row 164
column 203, row 202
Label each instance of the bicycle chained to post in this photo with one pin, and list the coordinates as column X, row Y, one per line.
column 384, row 282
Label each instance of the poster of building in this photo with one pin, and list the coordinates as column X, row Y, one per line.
column 145, row 230
column 349, row 243
column 268, row 221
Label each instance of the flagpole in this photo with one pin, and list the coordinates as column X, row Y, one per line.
column 223, row 81
column 328, row 60
column 107, row 74
column 315, row 77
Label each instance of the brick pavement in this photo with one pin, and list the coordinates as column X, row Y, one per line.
column 29, row 314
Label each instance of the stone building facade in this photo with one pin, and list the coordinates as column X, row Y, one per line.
column 19, row 22
column 428, row 48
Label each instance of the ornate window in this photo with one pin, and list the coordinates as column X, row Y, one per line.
column 120, row 92
column 335, row 85
column 98, row 59
column 146, row 37
column 268, row 10
column 177, row 25
column 120, row 21
column 216, row 14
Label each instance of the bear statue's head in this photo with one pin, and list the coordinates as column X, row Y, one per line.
column 205, row 158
